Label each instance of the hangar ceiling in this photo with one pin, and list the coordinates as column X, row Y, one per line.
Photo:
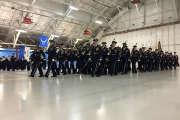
column 65, row 18
column 68, row 19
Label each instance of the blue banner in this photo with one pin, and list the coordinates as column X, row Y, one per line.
column 43, row 41
column 7, row 52
column 21, row 52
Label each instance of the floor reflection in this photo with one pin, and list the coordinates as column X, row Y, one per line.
column 145, row 96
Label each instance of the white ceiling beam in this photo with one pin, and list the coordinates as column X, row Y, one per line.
column 33, row 2
column 16, row 39
column 17, row 44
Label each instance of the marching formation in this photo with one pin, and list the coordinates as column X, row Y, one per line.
column 95, row 60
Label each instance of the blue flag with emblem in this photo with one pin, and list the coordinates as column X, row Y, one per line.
column 43, row 41
column 21, row 52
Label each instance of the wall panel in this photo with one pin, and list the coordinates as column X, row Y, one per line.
column 169, row 36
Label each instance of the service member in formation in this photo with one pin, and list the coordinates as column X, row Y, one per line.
column 125, row 59
column 37, row 59
column 61, row 59
column 51, row 59
column 95, row 52
column 112, row 58
column 13, row 61
column 105, row 59
column 176, row 61
column 134, row 58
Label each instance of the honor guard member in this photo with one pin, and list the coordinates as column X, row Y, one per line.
column 143, row 60
column 125, row 59
column 101, row 66
column 175, row 61
column 13, row 59
column 156, row 60
column 95, row 56
column 134, row 58
column 68, row 62
column 170, row 61
column 166, row 59
column 140, row 60
column 112, row 58
column 150, row 60
column 80, row 61
column 61, row 59
column 8, row 63
column 51, row 59
column 74, row 57
column 105, row 59
column 37, row 59
column 86, row 62
column 44, row 62
column 118, row 60
column 162, row 59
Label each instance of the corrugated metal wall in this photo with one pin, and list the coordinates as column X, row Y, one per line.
column 169, row 36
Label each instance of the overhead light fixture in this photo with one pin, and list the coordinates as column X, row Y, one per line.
column 55, row 36
column 73, row 8
column 22, row 31
column 99, row 22
column 78, row 39
column 59, row 13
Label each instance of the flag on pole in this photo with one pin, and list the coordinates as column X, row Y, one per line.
column 159, row 46
column 43, row 41
column 21, row 52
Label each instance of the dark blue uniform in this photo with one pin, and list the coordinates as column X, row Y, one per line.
column 51, row 61
column 37, row 58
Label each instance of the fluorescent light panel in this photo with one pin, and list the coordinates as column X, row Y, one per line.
column 99, row 22
column 78, row 39
column 23, row 31
column 55, row 36
column 73, row 8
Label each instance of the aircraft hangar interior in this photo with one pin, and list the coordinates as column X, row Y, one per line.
column 89, row 59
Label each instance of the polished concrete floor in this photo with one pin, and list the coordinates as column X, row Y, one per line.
column 146, row 96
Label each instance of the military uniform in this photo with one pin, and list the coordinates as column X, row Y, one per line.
column 134, row 59
column 51, row 60
column 113, row 58
column 37, row 59
column 125, row 59
column 105, row 59
column 13, row 66
column 175, row 60
column 96, row 57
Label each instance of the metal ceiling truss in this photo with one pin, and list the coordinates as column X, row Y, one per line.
column 53, row 23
